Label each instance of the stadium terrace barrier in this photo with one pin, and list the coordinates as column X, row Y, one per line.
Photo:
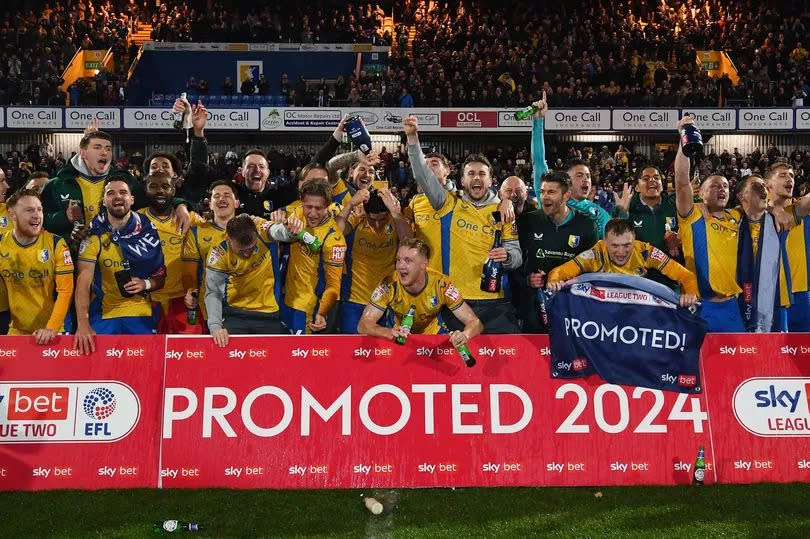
column 246, row 114
column 351, row 412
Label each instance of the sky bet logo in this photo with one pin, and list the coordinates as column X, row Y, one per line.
column 774, row 406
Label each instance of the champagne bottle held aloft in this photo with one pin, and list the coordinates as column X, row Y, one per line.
column 525, row 114
column 310, row 240
column 179, row 117
column 407, row 324
column 691, row 140
column 699, row 470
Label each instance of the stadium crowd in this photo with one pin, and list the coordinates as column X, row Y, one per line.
column 463, row 53
column 97, row 250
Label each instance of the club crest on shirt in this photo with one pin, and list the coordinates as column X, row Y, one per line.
column 268, row 205
column 434, row 301
column 3, row 221
column 43, row 255
column 452, row 292
column 379, row 292
column 573, row 241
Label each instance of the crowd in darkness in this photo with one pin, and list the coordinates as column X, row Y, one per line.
column 36, row 45
column 314, row 22
column 600, row 53
column 592, row 53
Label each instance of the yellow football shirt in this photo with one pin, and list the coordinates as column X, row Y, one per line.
column 460, row 236
column 92, row 193
column 313, row 279
column 251, row 281
column 798, row 252
column 643, row 257
column 439, row 292
column 196, row 249
column 710, row 251
column 340, row 193
column 107, row 258
column 5, row 225
column 172, row 244
column 370, row 255
column 32, row 274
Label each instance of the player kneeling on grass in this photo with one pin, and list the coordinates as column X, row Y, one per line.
column 413, row 285
column 240, row 278
column 620, row 252
column 33, row 263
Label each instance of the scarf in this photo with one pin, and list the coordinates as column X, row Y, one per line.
column 138, row 240
column 759, row 277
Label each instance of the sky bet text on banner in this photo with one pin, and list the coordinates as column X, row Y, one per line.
column 344, row 412
column 626, row 329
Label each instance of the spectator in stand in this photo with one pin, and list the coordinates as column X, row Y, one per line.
column 227, row 86
column 248, row 86
column 405, row 100
column 262, row 86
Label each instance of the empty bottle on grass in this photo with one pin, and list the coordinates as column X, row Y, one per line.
column 174, row 526
column 407, row 324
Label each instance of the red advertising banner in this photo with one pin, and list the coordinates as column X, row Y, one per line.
column 759, row 398
column 469, row 118
column 344, row 412
column 348, row 412
column 74, row 421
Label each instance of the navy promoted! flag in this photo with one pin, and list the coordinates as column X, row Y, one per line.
column 628, row 330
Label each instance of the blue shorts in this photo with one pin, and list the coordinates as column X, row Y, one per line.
column 125, row 325
column 799, row 313
column 350, row 314
column 295, row 320
column 722, row 316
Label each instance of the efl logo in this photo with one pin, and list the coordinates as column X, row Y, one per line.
column 38, row 404
column 773, row 406
column 67, row 411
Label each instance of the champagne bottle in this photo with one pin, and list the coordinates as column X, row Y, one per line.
column 699, row 471
column 492, row 272
column 525, row 114
column 310, row 240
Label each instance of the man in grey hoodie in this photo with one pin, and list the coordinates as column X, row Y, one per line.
column 461, row 229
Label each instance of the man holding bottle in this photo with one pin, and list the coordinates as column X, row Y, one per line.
column 417, row 294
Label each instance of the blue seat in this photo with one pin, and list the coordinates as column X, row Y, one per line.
column 279, row 100
column 266, row 99
column 157, row 99
column 211, row 100
column 246, row 100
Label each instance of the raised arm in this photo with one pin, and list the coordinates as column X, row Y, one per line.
column 433, row 188
column 684, row 194
column 539, row 165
